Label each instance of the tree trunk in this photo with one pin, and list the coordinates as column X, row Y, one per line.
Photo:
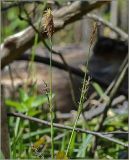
column 4, row 128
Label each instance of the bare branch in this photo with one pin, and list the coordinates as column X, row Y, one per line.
column 112, row 94
column 108, row 104
column 67, row 127
column 117, row 30
column 101, row 108
column 15, row 45
column 73, row 70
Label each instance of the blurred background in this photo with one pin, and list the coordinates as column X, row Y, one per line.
column 23, row 80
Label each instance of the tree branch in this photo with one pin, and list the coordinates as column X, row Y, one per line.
column 100, row 109
column 75, row 71
column 117, row 30
column 112, row 94
column 17, row 44
column 67, row 127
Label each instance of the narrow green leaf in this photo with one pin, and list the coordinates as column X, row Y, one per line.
column 44, row 131
column 64, row 141
column 16, row 128
column 71, row 149
column 83, row 147
column 98, row 88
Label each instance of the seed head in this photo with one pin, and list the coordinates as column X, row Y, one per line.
column 48, row 23
column 93, row 33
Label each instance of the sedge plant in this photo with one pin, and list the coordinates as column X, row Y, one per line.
column 84, row 91
column 49, row 28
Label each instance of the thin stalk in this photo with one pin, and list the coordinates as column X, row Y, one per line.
column 83, row 92
column 103, row 135
column 32, row 64
column 51, row 107
column 80, row 108
column 84, row 88
column 32, row 67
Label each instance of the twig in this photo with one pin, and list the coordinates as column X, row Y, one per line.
column 112, row 94
column 117, row 30
column 100, row 109
column 117, row 76
column 108, row 104
column 115, row 132
column 79, row 130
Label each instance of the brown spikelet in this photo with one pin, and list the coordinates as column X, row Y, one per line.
column 48, row 23
column 93, row 33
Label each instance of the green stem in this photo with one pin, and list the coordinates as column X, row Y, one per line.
column 51, row 107
column 82, row 98
column 84, row 89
